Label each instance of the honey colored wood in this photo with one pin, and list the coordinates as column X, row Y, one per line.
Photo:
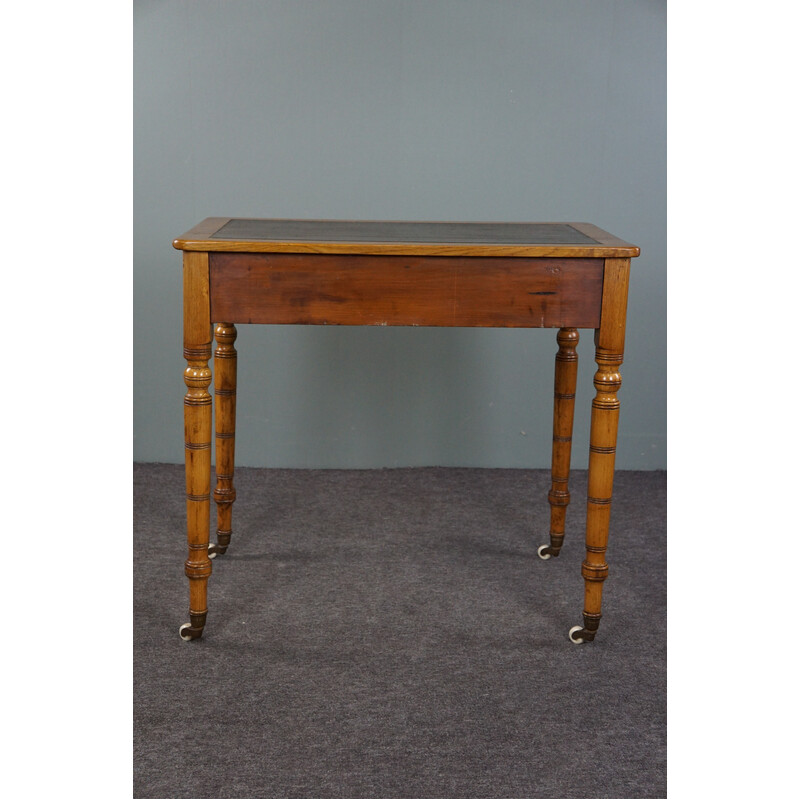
column 479, row 239
column 389, row 290
column 485, row 279
column 609, row 349
column 563, row 414
column 197, row 434
column 225, row 407
column 607, row 239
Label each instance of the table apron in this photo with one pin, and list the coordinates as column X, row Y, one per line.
column 324, row 289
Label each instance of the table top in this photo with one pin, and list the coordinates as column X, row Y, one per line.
column 520, row 239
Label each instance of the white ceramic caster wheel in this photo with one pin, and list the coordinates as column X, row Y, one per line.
column 544, row 556
column 182, row 629
column 212, row 553
column 575, row 630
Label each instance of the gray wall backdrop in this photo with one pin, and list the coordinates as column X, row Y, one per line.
column 396, row 109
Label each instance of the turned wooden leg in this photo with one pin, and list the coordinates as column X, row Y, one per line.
column 563, row 415
column 609, row 343
column 197, row 429
column 225, row 414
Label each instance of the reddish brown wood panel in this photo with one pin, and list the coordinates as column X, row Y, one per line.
column 288, row 288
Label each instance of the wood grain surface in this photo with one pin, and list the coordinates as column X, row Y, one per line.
column 390, row 290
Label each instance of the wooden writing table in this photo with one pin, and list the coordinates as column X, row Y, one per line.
column 326, row 272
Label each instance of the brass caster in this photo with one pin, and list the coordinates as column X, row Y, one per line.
column 190, row 632
column 543, row 552
column 215, row 550
column 576, row 629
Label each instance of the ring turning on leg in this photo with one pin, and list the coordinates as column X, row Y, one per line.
column 197, row 434
column 563, row 415
column 225, row 359
column 609, row 342
column 197, row 415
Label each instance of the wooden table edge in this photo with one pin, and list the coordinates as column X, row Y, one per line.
column 199, row 239
column 407, row 249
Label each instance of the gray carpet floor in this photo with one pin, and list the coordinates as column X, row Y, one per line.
column 392, row 633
